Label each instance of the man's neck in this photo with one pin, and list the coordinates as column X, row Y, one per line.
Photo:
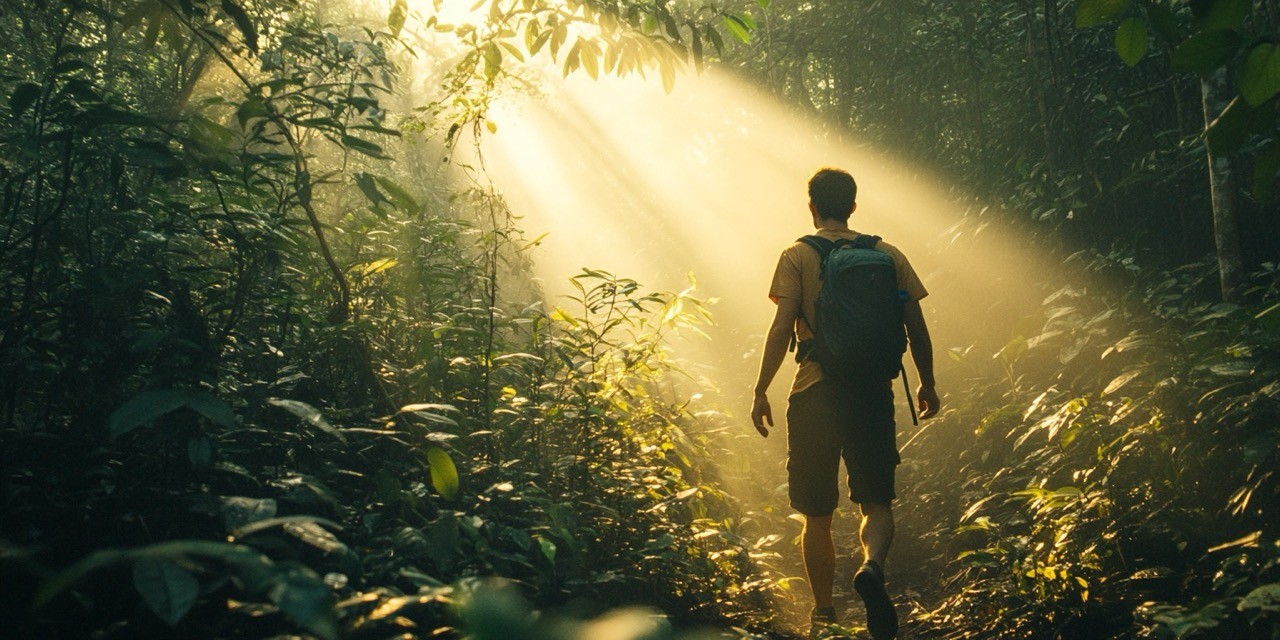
column 826, row 225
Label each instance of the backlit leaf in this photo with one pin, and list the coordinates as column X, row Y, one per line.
column 737, row 28
column 395, row 19
column 243, row 23
column 309, row 414
column 444, row 475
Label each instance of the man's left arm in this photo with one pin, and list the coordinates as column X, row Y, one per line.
column 922, row 355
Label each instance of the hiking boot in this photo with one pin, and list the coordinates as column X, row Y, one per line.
column 821, row 620
column 882, row 619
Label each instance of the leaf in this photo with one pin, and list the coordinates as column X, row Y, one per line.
column 262, row 525
column 427, row 406
column 1204, row 52
column 1120, row 381
column 68, row 66
column 1237, row 123
column 398, row 195
column 363, row 146
column 23, row 96
column 1266, row 166
column 1226, row 14
column 149, row 405
column 303, row 596
column 548, row 549
column 1131, row 41
column 252, row 568
column 377, row 266
column 1091, row 13
column 668, row 73
column 212, row 407
column 737, row 28
column 395, row 19
column 169, row 590
column 492, row 59
column 315, row 535
column 1266, row 598
column 239, row 511
column 1260, row 79
column 243, row 23
column 309, row 414
column 369, row 187
column 444, row 475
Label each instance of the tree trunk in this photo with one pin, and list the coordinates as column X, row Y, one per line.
column 1222, row 188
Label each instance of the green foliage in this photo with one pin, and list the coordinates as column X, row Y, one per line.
column 1107, row 495
column 236, row 304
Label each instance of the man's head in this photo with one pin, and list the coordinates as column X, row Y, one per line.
column 832, row 193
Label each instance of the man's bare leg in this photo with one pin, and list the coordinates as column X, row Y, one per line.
column 876, row 532
column 819, row 558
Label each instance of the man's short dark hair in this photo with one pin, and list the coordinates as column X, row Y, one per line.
column 833, row 192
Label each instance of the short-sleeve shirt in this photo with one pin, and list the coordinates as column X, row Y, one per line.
column 797, row 277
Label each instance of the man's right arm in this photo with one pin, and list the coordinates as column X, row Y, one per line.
column 922, row 355
column 775, row 350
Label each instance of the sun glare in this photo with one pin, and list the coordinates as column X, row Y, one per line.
column 710, row 180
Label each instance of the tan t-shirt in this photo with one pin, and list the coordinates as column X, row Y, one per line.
column 797, row 277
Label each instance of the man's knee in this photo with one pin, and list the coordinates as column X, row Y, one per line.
column 817, row 523
column 875, row 510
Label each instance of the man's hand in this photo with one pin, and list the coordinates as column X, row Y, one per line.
column 927, row 400
column 760, row 413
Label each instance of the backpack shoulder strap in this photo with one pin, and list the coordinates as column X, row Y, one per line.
column 820, row 244
column 865, row 241
column 824, row 247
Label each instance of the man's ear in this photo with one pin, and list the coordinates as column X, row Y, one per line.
column 854, row 208
column 812, row 208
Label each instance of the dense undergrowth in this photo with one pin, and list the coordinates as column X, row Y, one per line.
column 258, row 379
column 1119, row 482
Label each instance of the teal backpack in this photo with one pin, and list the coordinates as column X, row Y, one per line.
column 858, row 332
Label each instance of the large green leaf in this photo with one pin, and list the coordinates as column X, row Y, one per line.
column 737, row 28
column 1265, row 598
column 1260, row 79
column 149, row 405
column 1206, row 51
column 1226, row 14
column 1237, row 123
column 444, row 475
column 1091, row 13
column 1131, row 41
column 168, row 589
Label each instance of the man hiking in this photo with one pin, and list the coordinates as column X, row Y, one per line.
column 851, row 337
